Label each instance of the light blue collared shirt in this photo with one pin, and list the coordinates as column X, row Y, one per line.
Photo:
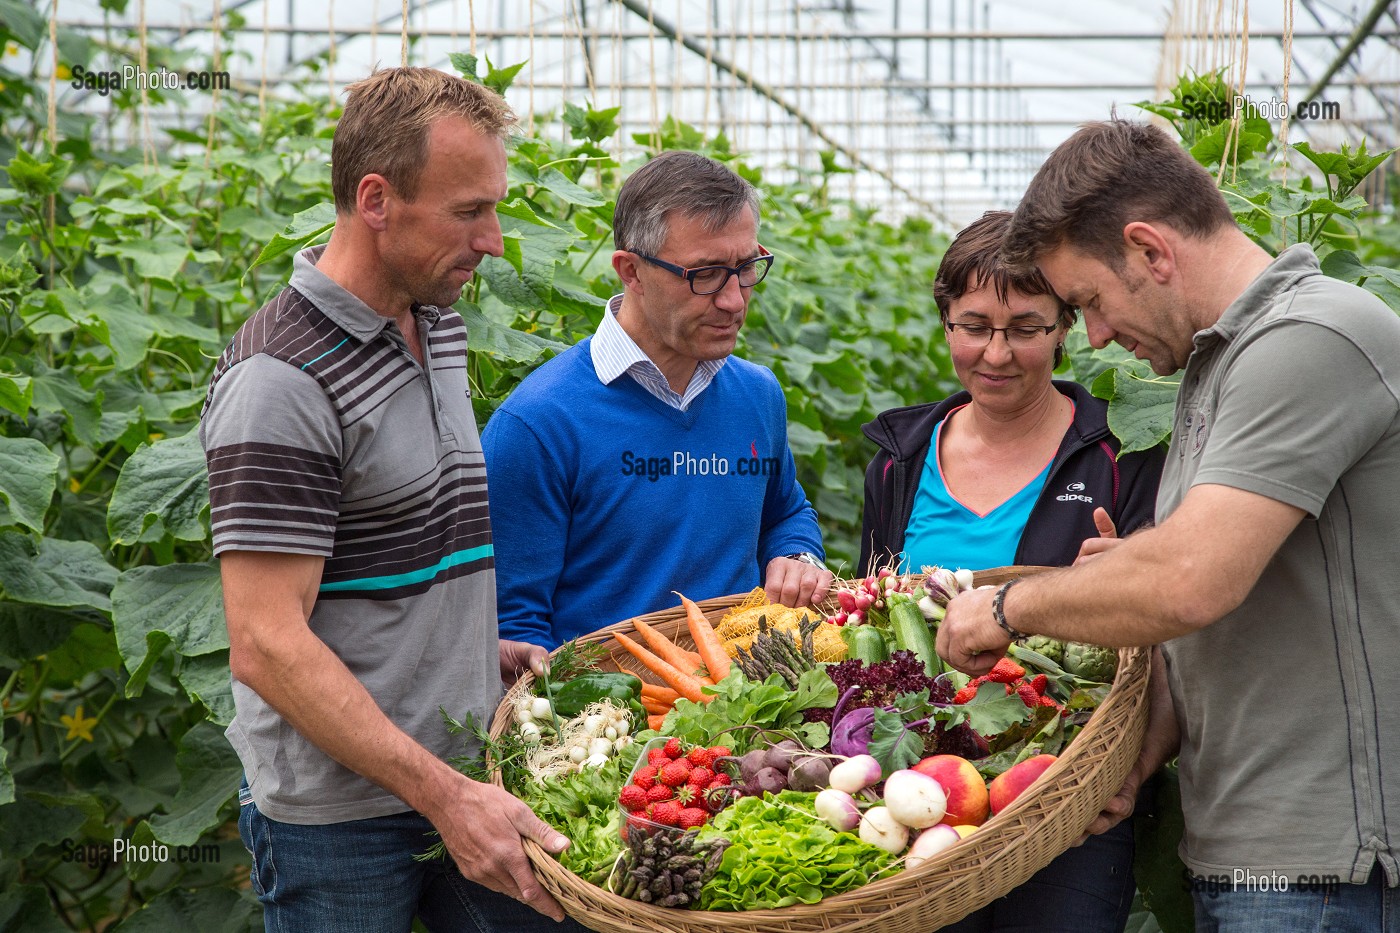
column 614, row 353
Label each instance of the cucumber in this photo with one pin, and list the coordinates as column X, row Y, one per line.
column 912, row 633
column 865, row 643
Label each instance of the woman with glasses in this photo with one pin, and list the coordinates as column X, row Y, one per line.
column 1017, row 468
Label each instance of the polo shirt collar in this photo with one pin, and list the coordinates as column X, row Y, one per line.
column 346, row 311
column 1294, row 263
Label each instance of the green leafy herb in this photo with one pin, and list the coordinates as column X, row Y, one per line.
column 768, row 705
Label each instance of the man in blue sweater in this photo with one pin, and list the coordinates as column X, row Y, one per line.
column 647, row 459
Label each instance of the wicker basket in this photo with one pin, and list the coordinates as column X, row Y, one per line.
column 1006, row 851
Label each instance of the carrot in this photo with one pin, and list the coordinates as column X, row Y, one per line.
column 687, row 685
column 659, row 694
column 654, row 722
column 655, row 706
column 667, row 650
column 706, row 641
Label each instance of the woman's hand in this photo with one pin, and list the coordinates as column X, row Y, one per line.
column 1106, row 541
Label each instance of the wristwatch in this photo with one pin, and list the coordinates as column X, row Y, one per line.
column 806, row 557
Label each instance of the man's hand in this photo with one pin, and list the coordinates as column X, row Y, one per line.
column 482, row 827
column 969, row 637
column 1160, row 743
column 519, row 656
column 1106, row 541
column 795, row 583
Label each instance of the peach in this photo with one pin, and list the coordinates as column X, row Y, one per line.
column 1010, row 784
column 967, row 792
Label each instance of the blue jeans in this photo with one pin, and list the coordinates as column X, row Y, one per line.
column 1087, row 889
column 1341, row 908
column 360, row 877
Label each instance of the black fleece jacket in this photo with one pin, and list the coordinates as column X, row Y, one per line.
column 1086, row 473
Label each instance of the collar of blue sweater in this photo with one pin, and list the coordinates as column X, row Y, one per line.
column 614, row 353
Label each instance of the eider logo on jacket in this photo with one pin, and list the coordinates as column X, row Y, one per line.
column 1075, row 493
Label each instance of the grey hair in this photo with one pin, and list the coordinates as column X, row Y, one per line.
column 681, row 182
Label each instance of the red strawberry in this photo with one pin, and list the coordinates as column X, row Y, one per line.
column 666, row 813
column 978, row 681
column 1006, row 671
column 719, row 751
column 700, row 777
column 1039, row 682
column 965, row 694
column 1027, row 694
column 645, row 777
column 687, row 794
column 672, row 748
column 660, row 792
column 692, row 817
column 1048, row 701
column 674, row 774
column 700, row 756
column 632, row 797
column 721, row 780
column 657, row 755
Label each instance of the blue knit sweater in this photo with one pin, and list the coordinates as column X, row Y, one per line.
column 604, row 499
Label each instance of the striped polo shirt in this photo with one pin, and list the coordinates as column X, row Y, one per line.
column 324, row 436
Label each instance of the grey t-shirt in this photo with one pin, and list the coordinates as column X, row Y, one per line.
column 324, row 436
column 1290, row 756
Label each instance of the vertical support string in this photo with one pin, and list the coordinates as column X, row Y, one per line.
column 403, row 35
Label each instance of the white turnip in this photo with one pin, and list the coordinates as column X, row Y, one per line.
column 855, row 774
column 915, row 799
column 929, row 843
column 838, row 808
column 880, row 829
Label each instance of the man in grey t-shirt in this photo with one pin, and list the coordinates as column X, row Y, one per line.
column 1269, row 580
column 349, row 512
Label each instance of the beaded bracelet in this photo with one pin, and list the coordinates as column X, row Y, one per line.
column 999, row 610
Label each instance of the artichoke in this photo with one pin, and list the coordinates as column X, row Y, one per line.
column 1090, row 662
column 1051, row 648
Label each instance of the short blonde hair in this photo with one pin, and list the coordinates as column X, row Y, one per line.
column 384, row 129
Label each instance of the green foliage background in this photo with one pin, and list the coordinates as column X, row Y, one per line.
column 122, row 275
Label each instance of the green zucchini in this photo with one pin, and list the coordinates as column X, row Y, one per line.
column 912, row 633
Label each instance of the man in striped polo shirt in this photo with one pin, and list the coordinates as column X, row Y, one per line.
column 349, row 512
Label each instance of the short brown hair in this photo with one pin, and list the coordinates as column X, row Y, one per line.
column 384, row 129
column 681, row 182
column 1105, row 176
column 974, row 257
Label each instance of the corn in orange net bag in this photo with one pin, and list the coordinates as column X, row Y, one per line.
column 739, row 625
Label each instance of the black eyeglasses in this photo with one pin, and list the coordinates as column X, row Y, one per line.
column 707, row 280
column 980, row 335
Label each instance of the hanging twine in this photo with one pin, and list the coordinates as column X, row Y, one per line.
column 530, row 106
column 471, row 26
column 403, row 35
column 651, row 50
column 262, row 80
column 148, row 148
column 214, row 100
column 330, row 51
column 53, row 129
column 1287, row 73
